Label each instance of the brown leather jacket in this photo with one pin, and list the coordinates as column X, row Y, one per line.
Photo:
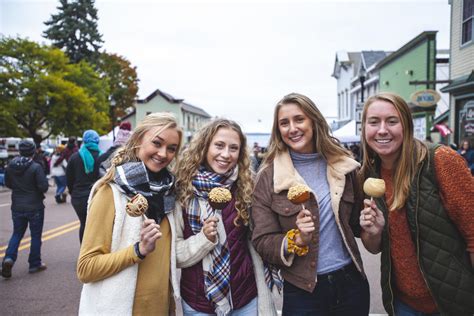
column 273, row 215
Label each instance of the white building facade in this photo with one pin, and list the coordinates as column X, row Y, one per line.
column 357, row 78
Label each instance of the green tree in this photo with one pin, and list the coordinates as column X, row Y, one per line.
column 74, row 29
column 43, row 94
column 122, row 79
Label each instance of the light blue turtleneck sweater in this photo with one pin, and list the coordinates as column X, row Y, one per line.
column 333, row 254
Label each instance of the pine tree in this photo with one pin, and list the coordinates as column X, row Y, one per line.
column 74, row 29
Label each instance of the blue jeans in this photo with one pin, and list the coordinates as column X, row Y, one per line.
column 60, row 184
column 341, row 292
column 248, row 310
column 402, row 309
column 20, row 223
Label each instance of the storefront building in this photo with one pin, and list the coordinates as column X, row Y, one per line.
column 411, row 73
column 461, row 87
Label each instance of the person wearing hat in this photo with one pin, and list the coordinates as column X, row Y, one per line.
column 122, row 137
column 58, row 172
column 28, row 183
column 70, row 148
column 81, row 173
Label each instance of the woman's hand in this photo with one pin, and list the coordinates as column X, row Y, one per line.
column 149, row 234
column 371, row 218
column 209, row 228
column 305, row 224
column 372, row 222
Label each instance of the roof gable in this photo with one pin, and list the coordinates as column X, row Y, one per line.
column 168, row 97
column 179, row 102
column 344, row 60
column 194, row 109
column 371, row 57
column 424, row 36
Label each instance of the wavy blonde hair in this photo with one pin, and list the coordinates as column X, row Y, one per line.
column 326, row 145
column 195, row 155
column 128, row 152
column 412, row 152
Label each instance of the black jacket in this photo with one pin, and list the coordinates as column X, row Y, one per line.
column 79, row 183
column 28, row 182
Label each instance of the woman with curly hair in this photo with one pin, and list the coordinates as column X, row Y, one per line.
column 127, row 261
column 312, row 241
column 221, row 273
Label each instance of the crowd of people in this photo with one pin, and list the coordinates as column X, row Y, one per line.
column 221, row 213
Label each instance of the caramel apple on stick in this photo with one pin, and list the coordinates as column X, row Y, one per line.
column 374, row 187
column 137, row 206
column 218, row 198
column 299, row 194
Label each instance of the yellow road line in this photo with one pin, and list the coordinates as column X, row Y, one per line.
column 28, row 239
column 26, row 246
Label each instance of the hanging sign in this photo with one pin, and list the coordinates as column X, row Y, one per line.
column 425, row 98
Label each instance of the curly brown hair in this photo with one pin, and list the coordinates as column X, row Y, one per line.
column 195, row 155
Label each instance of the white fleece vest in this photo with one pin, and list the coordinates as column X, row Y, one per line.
column 115, row 295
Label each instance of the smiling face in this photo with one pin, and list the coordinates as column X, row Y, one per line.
column 224, row 149
column 157, row 151
column 296, row 128
column 384, row 131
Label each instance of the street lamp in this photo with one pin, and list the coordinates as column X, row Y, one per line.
column 112, row 116
column 362, row 76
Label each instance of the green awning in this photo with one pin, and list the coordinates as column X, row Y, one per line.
column 459, row 83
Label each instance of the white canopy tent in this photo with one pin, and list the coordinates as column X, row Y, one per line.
column 107, row 140
column 347, row 133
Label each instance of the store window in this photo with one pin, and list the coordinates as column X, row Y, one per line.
column 419, row 127
column 467, row 21
column 466, row 119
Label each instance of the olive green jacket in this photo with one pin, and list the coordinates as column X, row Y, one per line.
column 440, row 248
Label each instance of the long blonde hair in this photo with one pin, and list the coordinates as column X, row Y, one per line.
column 195, row 155
column 412, row 152
column 325, row 144
column 159, row 121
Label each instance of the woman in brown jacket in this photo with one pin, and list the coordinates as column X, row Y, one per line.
column 312, row 243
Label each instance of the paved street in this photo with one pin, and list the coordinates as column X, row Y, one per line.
column 56, row 291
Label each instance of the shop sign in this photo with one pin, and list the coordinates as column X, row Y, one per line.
column 425, row 98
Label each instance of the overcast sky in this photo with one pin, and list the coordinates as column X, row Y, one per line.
column 236, row 59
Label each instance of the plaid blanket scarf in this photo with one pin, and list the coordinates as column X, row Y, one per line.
column 133, row 178
column 216, row 265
